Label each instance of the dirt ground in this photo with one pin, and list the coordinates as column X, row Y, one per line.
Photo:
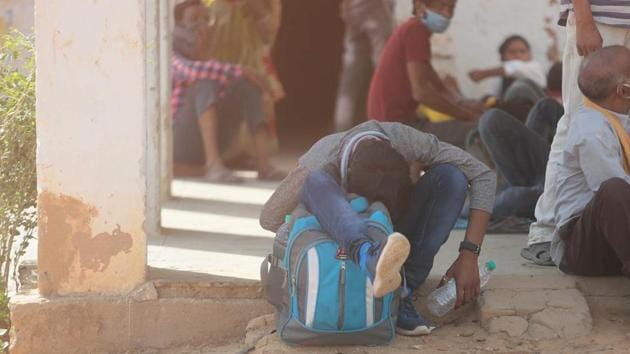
column 611, row 334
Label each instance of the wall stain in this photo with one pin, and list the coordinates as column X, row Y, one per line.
column 65, row 233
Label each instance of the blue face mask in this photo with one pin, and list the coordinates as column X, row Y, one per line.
column 435, row 22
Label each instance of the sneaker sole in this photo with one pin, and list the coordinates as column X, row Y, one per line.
column 393, row 256
column 418, row 331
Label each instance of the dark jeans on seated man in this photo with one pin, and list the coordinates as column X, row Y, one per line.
column 430, row 216
column 520, row 153
column 598, row 241
column 242, row 101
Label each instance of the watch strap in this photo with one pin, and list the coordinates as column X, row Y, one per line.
column 469, row 246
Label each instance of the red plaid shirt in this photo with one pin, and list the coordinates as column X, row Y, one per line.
column 186, row 72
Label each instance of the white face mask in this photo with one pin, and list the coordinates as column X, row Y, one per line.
column 628, row 87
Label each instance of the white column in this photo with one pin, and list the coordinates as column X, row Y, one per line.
column 97, row 141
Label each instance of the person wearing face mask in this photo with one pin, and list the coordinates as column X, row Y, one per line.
column 592, row 209
column 522, row 78
column 405, row 78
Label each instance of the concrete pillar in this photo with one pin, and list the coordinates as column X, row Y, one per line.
column 95, row 129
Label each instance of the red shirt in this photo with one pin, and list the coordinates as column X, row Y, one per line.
column 390, row 97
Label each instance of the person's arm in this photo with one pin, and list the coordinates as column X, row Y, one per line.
column 441, row 87
column 482, row 74
column 588, row 37
column 514, row 68
column 284, row 200
column 482, row 181
column 420, row 74
column 429, row 151
column 465, row 269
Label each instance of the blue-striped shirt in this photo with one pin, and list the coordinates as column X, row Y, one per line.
column 608, row 12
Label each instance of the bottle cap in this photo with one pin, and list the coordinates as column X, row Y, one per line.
column 287, row 218
column 491, row 265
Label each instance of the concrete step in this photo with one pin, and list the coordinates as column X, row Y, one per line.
column 173, row 309
column 184, row 309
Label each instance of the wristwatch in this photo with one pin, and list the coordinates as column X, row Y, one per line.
column 469, row 246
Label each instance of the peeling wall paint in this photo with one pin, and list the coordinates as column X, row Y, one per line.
column 65, row 236
column 92, row 144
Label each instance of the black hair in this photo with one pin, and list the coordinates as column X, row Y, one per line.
column 181, row 7
column 380, row 173
column 513, row 38
column 554, row 77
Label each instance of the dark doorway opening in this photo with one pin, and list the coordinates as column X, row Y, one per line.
column 307, row 55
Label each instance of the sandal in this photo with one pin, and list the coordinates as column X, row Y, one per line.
column 271, row 175
column 222, row 176
column 539, row 253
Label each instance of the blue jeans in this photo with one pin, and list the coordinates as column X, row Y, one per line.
column 520, row 152
column 437, row 199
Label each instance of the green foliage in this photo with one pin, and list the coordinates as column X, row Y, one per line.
column 18, row 182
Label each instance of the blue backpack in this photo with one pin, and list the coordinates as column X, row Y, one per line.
column 322, row 297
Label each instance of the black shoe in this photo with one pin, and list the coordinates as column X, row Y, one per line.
column 409, row 322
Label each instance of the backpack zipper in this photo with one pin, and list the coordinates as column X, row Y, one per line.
column 342, row 296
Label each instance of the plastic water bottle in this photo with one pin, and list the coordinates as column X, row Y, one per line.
column 442, row 300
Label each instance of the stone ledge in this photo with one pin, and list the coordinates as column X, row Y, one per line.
column 532, row 282
column 117, row 324
column 604, row 286
column 535, row 314
column 208, row 290
column 181, row 284
column 173, row 309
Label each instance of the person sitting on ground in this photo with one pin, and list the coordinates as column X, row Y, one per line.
column 519, row 151
column 243, row 32
column 586, row 29
column 508, row 119
column 592, row 209
column 521, row 76
column 405, row 78
column 373, row 160
column 203, row 90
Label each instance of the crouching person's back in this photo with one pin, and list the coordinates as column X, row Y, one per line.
column 372, row 160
